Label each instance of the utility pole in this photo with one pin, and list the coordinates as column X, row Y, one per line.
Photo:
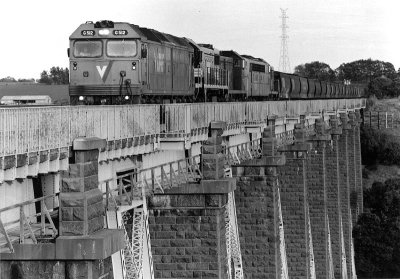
column 284, row 64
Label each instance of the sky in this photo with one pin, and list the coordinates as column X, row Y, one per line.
column 35, row 33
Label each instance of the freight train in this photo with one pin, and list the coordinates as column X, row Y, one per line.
column 121, row 63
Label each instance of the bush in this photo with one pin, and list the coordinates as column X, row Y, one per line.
column 377, row 232
column 383, row 87
column 379, row 147
column 371, row 101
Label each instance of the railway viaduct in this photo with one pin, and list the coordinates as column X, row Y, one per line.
column 213, row 190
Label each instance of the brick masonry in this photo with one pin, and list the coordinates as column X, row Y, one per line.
column 316, row 171
column 333, row 209
column 256, row 221
column 188, row 231
column 352, row 166
column 344, row 192
column 56, row 269
column 81, row 202
column 188, row 238
column 292, row 180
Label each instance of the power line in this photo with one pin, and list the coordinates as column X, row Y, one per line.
column 284, row 64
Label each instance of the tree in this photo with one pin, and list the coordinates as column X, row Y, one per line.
column 364, row 71
column 44, row 78
column 317, row 70
column 377, row 232
column 57, row 75
column 379, row 147
column 26, row 80
column 8, row 79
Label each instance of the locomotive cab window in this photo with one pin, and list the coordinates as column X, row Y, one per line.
column 89, row 48
column 121, row 48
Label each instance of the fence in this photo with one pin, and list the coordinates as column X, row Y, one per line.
column 381, row 120
column 24, row 130
column 27, row 226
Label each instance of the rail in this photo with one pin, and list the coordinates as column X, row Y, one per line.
column 27, row 226
column 34, row 129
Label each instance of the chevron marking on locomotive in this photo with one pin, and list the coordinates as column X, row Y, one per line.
column 104, row 70
column 101, row 70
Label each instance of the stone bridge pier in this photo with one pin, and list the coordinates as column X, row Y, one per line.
column 296, row 205
column 188, row 223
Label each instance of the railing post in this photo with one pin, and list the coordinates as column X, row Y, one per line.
column 379, row 124
column 132, row 185
column 171, row 175
column 107, row 195
column 120, row 193
column 21, row 225
column 42, row 217
column 152, row 179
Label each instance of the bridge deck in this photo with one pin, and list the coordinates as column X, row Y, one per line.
column 37, row 140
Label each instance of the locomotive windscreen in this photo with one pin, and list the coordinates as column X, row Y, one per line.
column 89, row 48
column 121, row 48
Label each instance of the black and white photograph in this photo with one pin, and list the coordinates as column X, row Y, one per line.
column 178, row 139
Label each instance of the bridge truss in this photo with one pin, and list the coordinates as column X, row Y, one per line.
column 129, row 208
column 234, row 255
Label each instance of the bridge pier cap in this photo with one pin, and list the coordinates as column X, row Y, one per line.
column 83, row 144
column 87, row 149
column 216, row 128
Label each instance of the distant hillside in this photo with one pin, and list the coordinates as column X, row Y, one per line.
column 58, row 93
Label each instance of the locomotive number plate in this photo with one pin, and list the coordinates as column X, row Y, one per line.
column 88, row 32
column 120, row 32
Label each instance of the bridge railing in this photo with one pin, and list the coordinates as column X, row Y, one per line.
column 166, row 176
column 183, row 118
column 27, row 226
column 24, row 130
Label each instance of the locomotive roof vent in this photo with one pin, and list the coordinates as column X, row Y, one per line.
column 209, row 46
column 104, row 24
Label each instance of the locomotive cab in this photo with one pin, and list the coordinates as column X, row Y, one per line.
column 104, row 63
column 118, row 62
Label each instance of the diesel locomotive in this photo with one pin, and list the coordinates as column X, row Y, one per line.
column 121, row 63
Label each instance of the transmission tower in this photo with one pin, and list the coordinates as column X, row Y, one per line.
column 284, row 64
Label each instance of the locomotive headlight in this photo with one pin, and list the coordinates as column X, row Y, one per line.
column 126, row 97
column 75, row 66
column 133, row 65
column 104, row 32
column 81, row 98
